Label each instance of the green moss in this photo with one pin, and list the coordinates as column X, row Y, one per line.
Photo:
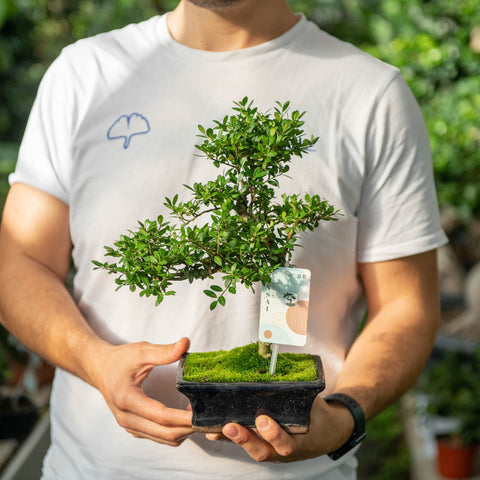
column 244, row 364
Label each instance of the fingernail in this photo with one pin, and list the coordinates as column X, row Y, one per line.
column 263, row 424
column 231, row 431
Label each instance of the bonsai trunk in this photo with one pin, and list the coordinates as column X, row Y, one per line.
column 264, row 349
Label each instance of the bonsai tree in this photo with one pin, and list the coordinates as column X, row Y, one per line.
column 234, row 224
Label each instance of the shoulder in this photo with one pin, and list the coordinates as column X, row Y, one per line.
column 121, row 45
column 103, row 61
column 347, row 66
column 321, row 45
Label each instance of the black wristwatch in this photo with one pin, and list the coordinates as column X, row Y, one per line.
column 358, row 416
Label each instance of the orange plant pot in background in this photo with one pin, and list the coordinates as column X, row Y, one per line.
column 455, row 460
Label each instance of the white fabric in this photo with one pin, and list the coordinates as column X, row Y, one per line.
column 372, row 162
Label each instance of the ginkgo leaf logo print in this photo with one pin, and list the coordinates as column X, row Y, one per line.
column 127, row 126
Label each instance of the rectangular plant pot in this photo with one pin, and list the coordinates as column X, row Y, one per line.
column 216, row 404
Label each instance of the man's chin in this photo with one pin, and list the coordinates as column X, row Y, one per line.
column 215, row 4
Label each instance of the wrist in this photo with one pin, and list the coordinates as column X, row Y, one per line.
column 355, row 427
column 92, row 354
column 343, row 425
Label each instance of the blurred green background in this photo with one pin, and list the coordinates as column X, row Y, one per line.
column 435, row 43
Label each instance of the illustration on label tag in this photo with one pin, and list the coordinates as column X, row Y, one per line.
column 284, row 307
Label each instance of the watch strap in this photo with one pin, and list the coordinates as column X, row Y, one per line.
column 359, row 418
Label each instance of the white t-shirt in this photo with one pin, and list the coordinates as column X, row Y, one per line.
column 112, row 132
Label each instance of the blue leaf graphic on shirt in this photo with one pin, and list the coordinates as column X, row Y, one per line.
column 127, row 126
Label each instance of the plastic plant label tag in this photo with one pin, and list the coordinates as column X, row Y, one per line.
column 284, row 307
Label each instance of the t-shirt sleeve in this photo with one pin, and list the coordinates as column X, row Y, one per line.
column 44, row 159
column 398, row 210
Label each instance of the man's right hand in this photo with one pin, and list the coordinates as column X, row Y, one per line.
column 119, row 375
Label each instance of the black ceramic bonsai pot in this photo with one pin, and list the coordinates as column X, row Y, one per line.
column 216, row 404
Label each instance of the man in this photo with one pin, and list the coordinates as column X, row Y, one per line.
column 112, row 132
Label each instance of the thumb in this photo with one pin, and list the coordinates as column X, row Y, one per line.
column 181, row 347
column 165, row 354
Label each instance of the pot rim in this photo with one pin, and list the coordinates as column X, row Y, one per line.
column 318, row 383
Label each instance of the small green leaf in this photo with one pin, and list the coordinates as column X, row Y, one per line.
column 221, row 300
column 210, row 294
column 213, row 305
column 216, row 288
column 218, row 260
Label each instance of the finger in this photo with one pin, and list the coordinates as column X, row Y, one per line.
column 137, row 403
column 271, row 432
column 165, row 354
column 255, row 446
column 217, row 437
column 172, row 436
column 141, row 428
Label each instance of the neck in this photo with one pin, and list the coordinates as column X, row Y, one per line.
column 241, row 25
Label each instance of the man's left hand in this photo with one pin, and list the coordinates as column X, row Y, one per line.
column 331, row 426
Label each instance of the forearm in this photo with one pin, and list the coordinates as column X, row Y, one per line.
column 35, row 252
column 387, row 357
column 38, row 310
column 391, row 351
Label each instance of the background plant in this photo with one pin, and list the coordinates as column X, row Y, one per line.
column 4, row 370
column 452, row 385
column 436, row 45
column 384, row 454
column 246, row 233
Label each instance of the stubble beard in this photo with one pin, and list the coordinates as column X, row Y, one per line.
column 215, row 4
